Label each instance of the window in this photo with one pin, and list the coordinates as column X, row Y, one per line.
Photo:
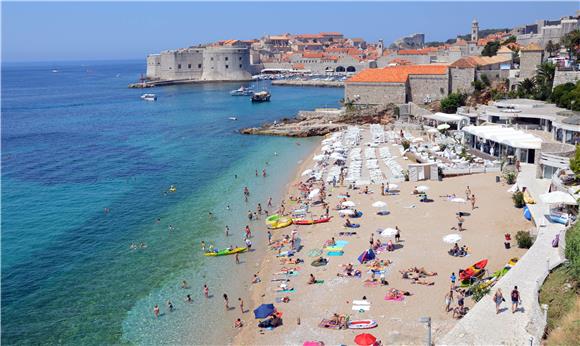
column 442, row 90
column 178, row 66
column 211, row 58
column 227, row 66
column 226, row 58
column 240, row 58
column 188, row 65
column 240, row 65
column 198, row 65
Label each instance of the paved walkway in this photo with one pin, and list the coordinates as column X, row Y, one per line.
column 482, row 326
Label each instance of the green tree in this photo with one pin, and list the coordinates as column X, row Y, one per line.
column 485, row 79
column 552, row 48
column 572, row 43
column 559, row 91
column 545, row 80
column 571, row 100
column 575, row 163
column 509, row 40
column 527, row 87
column 490, row 48
column 450, row 103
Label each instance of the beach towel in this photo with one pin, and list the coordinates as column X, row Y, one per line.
column 335, row 253
column 410, row 207
column 381, row 249
column 398, row 298
column 334, row 248
column 318, row 282
column 314, row 253
column 341, row 243
column 328, row 324
column 294, row 273
column 285, row 291
column 354, row 225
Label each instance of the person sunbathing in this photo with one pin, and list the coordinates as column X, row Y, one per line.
column 347, row 223
column 394, row 293
column 312, row 280
column 422, row 282
column 455, row 250
column 415, row 191
column 423, row 271
column 390, row 246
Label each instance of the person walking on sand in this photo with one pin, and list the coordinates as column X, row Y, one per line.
column 206, row 291
column 467, row 193
column 156, row 311
column 270, row 202
column 448, row 300
column 226, row 302
column 460, row 223
column 515, row 299
column 382, row 189
column 227, row 230
column 453, row 279
column 472, row 202
column 269, row 237
column 498, row 299
column 398, row 234
column 237, row 258
column 241, row 305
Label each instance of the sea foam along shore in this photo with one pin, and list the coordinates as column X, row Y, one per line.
column 423, row 226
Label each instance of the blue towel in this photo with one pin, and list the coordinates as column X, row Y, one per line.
column 335, row 253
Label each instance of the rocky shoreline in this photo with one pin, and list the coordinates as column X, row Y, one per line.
column 322, row 121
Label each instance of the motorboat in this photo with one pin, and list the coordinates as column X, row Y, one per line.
column 233, row 118
column 262, row 96
column 149, row 97
column 242, row 91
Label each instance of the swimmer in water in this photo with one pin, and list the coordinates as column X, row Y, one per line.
column 227, row 231
column 188, row 298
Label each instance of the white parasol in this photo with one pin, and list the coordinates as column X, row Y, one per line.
column 443, row 127
column 349, row 204
column 388, row 232
column 318, row 158
column 346, row 212
column 422, row 188
column 379, row 204
column 314, row 193
column 457, row 200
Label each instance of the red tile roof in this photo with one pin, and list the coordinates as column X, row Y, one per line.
column 309, row 36
column 332, row 33
column 309, row 55
column 396, row 74
column 298, row 66
column 412, row 52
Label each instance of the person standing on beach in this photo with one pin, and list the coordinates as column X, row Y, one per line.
column 270, row 202
column 448, row 300
column 398, row 234
column 241, row 305
column 515, row 299
column 248, row 232
column 460, row 223
column 334, row 181
column 498, row 299
column 453, row 279
column 237, row 258
column 382, row 189
column 227, row 230
column 467, row 193
column 206, row 291
column 226, row 302
column 156, row 311
column 259, row 209
column 269, row 237
column 472, row 202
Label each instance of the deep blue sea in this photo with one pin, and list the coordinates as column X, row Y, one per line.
column 77, row 141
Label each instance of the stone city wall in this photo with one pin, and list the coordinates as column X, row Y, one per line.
column 563, row 77
column 375, row 93
column 462, row 79
column 423, row 87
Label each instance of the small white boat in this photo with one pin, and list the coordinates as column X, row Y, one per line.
column 362, row 324
column 233, row 118
column 242, row 91
column 149, row 97
column 54, row 71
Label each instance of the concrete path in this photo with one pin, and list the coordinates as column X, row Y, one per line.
column 482, row 326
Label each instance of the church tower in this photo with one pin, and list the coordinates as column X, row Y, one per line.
column 474, row 30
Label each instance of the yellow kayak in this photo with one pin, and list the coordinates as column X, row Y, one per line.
column 227, row 252
column 280, row 223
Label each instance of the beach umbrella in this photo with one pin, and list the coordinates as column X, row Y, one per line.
column 307, row 172
column 388, row 232
column 422, row 188
column 443, row 127
column 452, row 238
column 264, row 310
column 558, row 197
column 346, row 212
column 365, row 339
column 314, row 193
column 318, row 158
column 379, row 204
column 349, row 204
column 337, row 156
column 457, row 200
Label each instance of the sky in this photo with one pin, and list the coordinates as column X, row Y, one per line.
column 61, row 31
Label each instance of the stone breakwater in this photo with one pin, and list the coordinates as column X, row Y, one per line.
column 316, row 83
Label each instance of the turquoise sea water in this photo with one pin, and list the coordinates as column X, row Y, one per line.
column 78, row 141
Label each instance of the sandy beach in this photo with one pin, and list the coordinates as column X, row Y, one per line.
column 422, row 225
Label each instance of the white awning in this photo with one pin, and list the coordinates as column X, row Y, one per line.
column 445, row 118
column 505, row 135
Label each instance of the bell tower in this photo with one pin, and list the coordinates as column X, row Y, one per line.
column 474, row 30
